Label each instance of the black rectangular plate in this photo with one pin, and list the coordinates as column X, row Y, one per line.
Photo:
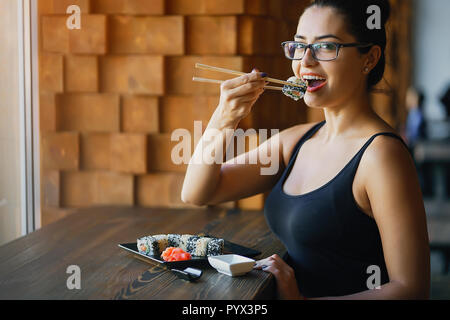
column 229, row 247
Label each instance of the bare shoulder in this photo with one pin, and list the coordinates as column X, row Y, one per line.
column 387, row 147
column 383, row 146
column 389, row 154
column 290, row 136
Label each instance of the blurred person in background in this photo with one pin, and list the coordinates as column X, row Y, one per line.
column 414, row 131
column 445, row 99
column 415, row 128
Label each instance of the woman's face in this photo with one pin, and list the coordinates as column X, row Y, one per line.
column 344, row 76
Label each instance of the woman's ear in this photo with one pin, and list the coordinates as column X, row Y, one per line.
column 372, row 58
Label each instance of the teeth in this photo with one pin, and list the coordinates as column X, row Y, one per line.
column 313, row 78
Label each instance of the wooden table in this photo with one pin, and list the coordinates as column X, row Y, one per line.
column 34, row 266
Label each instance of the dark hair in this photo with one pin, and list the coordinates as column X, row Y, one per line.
column 355, row 14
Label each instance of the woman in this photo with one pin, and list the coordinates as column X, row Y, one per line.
column 348, row 207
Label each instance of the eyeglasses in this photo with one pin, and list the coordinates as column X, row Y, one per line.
column 321, row 51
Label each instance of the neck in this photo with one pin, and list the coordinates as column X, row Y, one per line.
column 344, row 119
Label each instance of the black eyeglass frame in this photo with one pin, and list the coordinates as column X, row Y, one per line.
column 338, row 47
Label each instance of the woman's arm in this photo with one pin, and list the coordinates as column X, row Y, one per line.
column 202, row 178
column 397, row 205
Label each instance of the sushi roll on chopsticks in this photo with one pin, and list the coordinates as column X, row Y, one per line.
column 294, row 87
column 295, row 92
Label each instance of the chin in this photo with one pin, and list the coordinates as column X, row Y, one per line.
column 321, row 99
column 313, row 102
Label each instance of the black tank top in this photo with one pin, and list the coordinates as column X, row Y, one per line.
column 330, row 242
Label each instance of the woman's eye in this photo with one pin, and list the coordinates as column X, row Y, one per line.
column 300, row 45
column 326, row 46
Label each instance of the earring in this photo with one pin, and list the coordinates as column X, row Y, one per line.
column 366, row 69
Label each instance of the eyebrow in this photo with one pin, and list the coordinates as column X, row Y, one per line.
column 319, row 38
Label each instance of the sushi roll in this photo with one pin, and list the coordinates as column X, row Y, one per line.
column 163, row 242
column 174, row 240
column 191, row 244
column 215, row 247
column 184, row 241
column 295, row 92
column 148, row 245
column 143, row 246
column 201, row 247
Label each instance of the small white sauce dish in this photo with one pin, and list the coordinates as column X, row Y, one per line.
column 231, row 264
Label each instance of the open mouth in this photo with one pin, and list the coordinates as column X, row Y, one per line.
column 314, row 82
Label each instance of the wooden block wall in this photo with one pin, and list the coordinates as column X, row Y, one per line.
column 112, row 93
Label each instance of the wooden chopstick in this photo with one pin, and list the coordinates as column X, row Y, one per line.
column 239, row 73
column 220, row 81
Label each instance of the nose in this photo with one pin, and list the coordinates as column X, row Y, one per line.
column 308, row 59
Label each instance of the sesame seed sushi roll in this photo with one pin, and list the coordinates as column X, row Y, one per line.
column 215, row 247
column 192, row 244
column 201, row 248
column 174, row 240
column 295, row 92
column 184, row 241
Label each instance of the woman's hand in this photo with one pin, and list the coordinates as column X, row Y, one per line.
column 238, row 95
column 284, row 276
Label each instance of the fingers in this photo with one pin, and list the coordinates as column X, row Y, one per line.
column 238, row 95
column 245, row 96
column 266, row 261
column 271, row 264
column 247, row 88
column 240, row 98
column 277, row 258
column 244, row 79
column 249, row 92
column 284, row 276
column 260, row 263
